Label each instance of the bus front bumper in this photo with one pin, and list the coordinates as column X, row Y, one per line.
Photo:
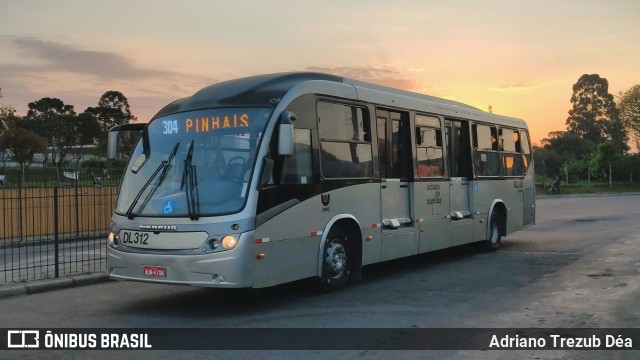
column 225, row 269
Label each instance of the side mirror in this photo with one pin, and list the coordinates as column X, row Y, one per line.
column 112, row 144
column 285, row 133
column 112, row 140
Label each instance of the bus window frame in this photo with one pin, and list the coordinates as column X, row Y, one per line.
column 366, row 116
column 442, row 147
column 525, row 170
column 512, row 153
column 474, row 149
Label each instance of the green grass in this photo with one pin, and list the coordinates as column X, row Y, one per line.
column 583, row 187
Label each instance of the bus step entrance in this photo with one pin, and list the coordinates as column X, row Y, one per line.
column 459, row 215
column 395, row 223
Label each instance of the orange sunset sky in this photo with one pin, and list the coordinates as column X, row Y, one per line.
column 521, row 57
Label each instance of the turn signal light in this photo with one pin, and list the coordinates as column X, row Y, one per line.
column 112, row 239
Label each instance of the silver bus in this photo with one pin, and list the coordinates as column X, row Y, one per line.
column 268, row 179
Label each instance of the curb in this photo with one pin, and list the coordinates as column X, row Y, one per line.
column 51, row 285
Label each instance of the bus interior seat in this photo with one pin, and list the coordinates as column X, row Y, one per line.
column 234, row 169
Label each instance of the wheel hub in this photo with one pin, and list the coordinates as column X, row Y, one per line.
column 336, row 258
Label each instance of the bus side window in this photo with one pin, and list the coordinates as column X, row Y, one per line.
column 510, row 154
column 345, row 141
column 525, row 150
column 298, row 168
column 429, row 151
column 486, row 159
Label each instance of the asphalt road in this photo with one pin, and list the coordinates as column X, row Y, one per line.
column 578, row 267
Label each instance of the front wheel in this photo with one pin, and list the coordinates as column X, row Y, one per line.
column 335, row 260
column 493, row 242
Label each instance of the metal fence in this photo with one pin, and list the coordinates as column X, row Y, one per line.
column 50, row 229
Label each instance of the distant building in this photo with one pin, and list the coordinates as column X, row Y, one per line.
column 78, row 154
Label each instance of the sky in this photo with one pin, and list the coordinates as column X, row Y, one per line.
column 521, row 57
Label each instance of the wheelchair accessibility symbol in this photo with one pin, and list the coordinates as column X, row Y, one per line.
column 169, row 207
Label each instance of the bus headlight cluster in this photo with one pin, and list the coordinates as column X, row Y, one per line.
column 215, row 244
column 112, row 239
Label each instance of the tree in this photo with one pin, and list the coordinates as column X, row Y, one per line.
column 568, row 145
column 629, row 105
column 23, row 144
column 52, row 119
column 577, row 169
column 48, row 107
column 594, row 114
column 616, row 132
column 44, row 118
column 7, row 115
column 607, row 153
column 88, row 128
column 113, row 109
column 547, row 161
column 627, row 168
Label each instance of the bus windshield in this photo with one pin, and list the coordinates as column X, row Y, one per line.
column 196, row 163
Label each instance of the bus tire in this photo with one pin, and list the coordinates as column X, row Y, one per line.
column 495, row 235
column 335, row 260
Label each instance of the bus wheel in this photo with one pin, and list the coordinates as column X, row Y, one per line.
column 335, row 260
column 493, row 242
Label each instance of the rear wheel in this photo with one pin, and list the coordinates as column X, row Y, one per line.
column 335, row 260
column 493, row 242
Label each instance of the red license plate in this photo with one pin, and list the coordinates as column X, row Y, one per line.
column 155, row 271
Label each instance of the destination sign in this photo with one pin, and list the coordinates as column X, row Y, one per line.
column 207, row 124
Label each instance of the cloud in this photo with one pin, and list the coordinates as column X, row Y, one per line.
column 386, row 76
column 35, row 68
column 61, row 57
column 515, row 87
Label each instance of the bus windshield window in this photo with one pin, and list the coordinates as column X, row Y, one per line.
column 225, row 143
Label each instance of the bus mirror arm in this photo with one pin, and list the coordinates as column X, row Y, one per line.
column 267, row 171
column 285, row 133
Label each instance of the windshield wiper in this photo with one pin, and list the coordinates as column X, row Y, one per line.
column 164, row 167
column 193, row 201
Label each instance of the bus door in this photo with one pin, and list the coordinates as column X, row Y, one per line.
column 460, row 181
column 396, row 171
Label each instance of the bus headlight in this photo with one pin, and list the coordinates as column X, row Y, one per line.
column 229, row 242
column 112, row 239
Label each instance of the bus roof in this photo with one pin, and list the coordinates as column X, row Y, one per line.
column 269, row 89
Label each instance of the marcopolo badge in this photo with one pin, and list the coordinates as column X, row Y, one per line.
column 325, row 199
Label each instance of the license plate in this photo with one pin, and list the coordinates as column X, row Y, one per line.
column 155, row 271
column 135, row 238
